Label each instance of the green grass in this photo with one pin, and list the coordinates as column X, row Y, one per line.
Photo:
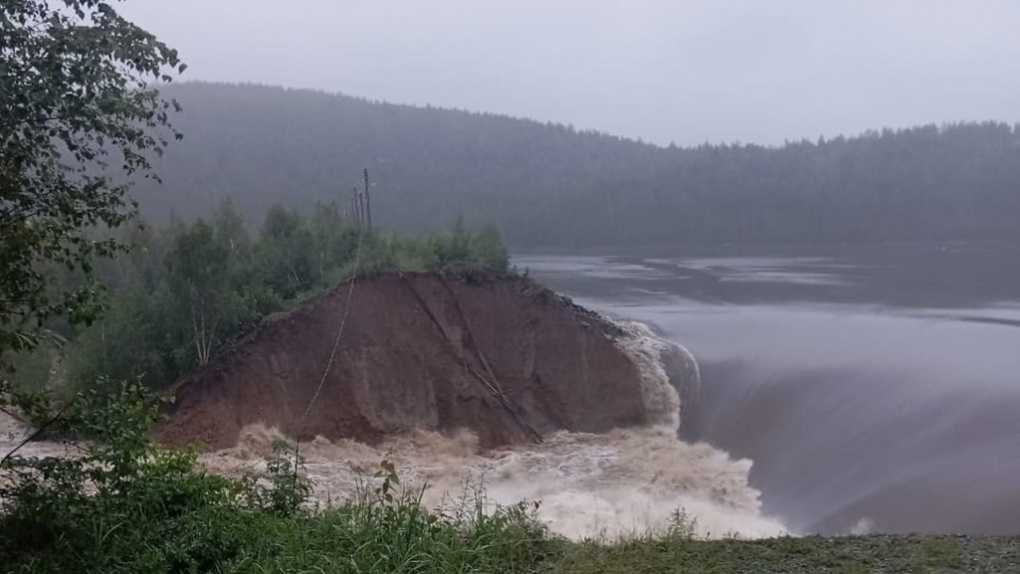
column 373, row 535
column 876, row 553
column 125, row 505
column 376, row 535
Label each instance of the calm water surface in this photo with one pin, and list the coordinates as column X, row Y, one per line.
column 874, row 388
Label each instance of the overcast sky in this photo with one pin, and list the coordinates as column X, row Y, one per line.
column 662, row 70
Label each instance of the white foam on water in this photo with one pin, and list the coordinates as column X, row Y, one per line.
column 12, row 435
column 644, row 349
column 621, row 484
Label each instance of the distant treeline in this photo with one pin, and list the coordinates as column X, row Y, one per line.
column 551, row 185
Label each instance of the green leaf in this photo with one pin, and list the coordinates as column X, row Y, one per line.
column 76, row 72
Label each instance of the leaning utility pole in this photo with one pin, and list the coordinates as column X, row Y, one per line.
column 368, row 201
column 362, row 217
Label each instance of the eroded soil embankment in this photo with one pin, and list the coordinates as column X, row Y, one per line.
column 502, row 357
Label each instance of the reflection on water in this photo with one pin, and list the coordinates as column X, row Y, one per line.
column 960, row 276
column 790, row 270
column 870, row 387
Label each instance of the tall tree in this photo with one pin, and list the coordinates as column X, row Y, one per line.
column 491, row 251
column 199, row 266
column 78, row 113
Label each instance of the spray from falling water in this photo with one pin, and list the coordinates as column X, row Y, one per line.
column 621, row 484
column 645, row 350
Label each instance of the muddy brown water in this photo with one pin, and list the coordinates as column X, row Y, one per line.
column 621, row 483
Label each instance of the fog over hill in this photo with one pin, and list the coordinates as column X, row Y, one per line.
column 552, row 185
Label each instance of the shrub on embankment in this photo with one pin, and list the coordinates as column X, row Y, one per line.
column 184, row 293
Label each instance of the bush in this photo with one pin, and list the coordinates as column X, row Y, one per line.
column 111, row 504
column 185, row 294
column 124, row 504
column 459, row 251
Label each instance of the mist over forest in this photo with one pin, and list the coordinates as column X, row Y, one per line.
column 550, row 185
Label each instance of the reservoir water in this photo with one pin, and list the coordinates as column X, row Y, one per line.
column 875, row 389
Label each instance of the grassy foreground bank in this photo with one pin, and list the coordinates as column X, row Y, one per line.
column 373, row 537
column 124, row 504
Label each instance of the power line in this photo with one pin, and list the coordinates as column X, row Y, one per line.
column 336, row 345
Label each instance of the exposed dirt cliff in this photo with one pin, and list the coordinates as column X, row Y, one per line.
column 500, row 356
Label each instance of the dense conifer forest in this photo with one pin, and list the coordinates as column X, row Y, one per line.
column 553, row 185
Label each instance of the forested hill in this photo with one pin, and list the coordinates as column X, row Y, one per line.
column 551, row 185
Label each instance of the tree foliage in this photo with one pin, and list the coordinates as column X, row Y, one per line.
column 77, row 112
column 186, row 292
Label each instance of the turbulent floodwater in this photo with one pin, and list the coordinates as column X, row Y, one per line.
column 872, row 390
column 621, row 484
column 624, row 483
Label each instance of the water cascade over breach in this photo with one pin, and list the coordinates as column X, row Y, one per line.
column 627, row 482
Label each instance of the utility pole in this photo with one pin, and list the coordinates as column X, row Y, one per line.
column 368, row 201
column 363, row 206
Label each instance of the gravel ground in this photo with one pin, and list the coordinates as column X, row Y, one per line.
column 876, row 553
